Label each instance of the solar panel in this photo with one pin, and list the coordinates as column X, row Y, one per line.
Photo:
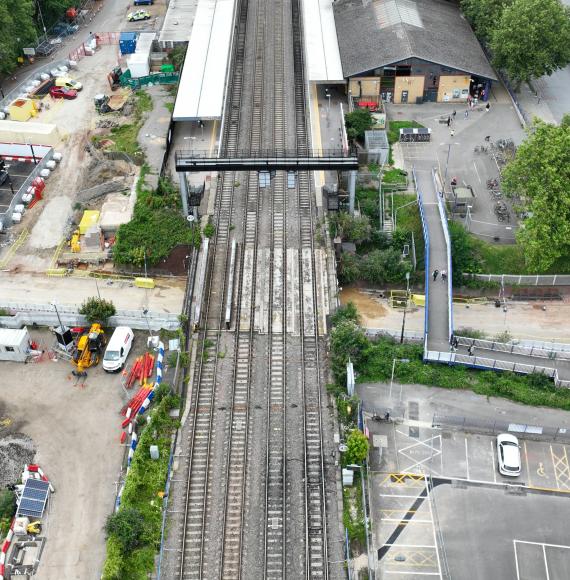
column 34, row 498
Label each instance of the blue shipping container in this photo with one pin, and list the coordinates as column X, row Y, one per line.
column 128, row 42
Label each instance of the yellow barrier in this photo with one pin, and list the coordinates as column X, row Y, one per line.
column 144, row 282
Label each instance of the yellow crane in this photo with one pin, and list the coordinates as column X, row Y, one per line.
column 89, row 347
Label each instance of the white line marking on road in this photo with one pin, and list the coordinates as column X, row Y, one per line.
column 526, row 461
column 433, row 530
column 477, row 172
column 542, row 544
column 494, row 462
column 402, row 572
column 398, row 545
column 545, row 562
column 467, row 458
column 554, row 466
column 516, row 560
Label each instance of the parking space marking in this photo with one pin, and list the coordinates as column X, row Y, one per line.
column 494, row 462
column 467, row 458
column 526, row 461
column 545, row 562
column 542, row 545
column 561, row 468
column 477, row 172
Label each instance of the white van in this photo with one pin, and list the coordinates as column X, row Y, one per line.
column 118, row 349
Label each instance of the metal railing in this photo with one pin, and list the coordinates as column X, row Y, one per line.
column 494, row 426
column 438, row 186
column 6, row 217
column 426, row 252
column 524, row 280
column 561, row 353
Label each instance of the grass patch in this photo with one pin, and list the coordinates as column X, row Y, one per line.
column 535, row 390
column 394, row 176
column 156, row 228
column 7, row 510
column 395, row 126
column 146, row 480
column 353, row 515
column 125, row 137
column 170, row 107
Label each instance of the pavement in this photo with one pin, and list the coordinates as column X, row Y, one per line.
column 167, row 296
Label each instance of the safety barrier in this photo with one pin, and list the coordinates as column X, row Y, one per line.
column 439, row 187
column 426, row 245
column 524, row 280
column 563, row 353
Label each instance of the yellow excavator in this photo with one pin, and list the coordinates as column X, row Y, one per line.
column 89, row 348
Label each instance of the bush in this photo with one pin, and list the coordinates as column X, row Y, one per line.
column 97, row 310
column 128, row 526
column 347, row 341
column 348, row 268
column 357, row 122
column 381, row 266
column 7, row 510
column 346, row 313
column 357, row 451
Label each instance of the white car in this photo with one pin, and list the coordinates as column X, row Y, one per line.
column 509, row 455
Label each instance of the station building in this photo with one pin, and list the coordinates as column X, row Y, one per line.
column 410, row 51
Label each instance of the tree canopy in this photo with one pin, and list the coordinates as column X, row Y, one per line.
column 531, row 38
column 357, row 122
column 21, row 26
column 483, row 15
column 540, row 175
column 357, row 444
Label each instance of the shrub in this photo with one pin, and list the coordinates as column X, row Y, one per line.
column 357, row 451
column 128, row 526
column 347, row 341
column 348, row 268
column 97, row 310
column 357, row 122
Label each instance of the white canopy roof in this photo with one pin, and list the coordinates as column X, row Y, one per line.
column 202, row 83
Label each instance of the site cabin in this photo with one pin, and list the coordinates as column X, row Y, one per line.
column 14, row 344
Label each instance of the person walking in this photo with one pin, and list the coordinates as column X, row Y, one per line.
column 444, row 275
column 471, row 350
column 454, row 113
column 487, row 107
column 448, row 121
column 435, row 273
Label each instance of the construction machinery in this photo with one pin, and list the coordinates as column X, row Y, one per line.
column 89, row 348
column 75, row 242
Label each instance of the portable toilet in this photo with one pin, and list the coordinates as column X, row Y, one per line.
column 14, row 344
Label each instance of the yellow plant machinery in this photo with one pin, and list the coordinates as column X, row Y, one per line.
column 89, row 348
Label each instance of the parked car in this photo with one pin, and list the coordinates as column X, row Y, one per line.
column 138, row 15
column 68, row 83
column 143, row 2
column 62, row 93
column 508, row 454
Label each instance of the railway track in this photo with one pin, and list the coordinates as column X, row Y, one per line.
column 199, row 546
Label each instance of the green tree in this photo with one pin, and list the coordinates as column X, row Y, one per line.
column 349, row 268
column 483, row 15
column 531, row 39
column 128, row 526
column 347, row 341
column 357, row 444
column 355, row 229
column 381, row 266
column 97, row 310
column 540, row 174
column 17, row 30
column 464, row 256
column 357, row 122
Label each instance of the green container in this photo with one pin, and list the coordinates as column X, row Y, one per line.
column 167, row 68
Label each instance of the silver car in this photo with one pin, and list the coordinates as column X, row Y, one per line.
column 509, row 456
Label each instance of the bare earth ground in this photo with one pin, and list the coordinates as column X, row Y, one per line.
column 522, row 320
column 76, row 432
column 28, row 288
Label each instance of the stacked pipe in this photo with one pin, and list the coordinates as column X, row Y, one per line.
column 141, row 370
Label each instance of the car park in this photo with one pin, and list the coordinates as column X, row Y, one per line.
column 138, row 15
column 62, row 93
column 509, row 456
column 68, row 83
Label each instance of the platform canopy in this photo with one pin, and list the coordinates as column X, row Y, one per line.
column 321, row 45
column 202, row 83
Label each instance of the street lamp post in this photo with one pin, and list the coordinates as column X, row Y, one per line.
column 447, row 162
column 405, row 306
column 61, row 328
column 394, row 361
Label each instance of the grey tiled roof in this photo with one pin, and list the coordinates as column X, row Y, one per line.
column 444, row 36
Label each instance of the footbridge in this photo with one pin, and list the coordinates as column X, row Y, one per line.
column 550, row 360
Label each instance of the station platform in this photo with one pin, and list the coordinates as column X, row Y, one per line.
column 203, row 79
column 321, row 44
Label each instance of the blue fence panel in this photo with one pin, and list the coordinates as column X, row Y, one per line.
column 426, row 244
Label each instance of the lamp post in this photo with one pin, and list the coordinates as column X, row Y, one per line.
column 62, row 330
column 447, row 161
column 405, row 307
column 145, row 312
column 402, row 360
